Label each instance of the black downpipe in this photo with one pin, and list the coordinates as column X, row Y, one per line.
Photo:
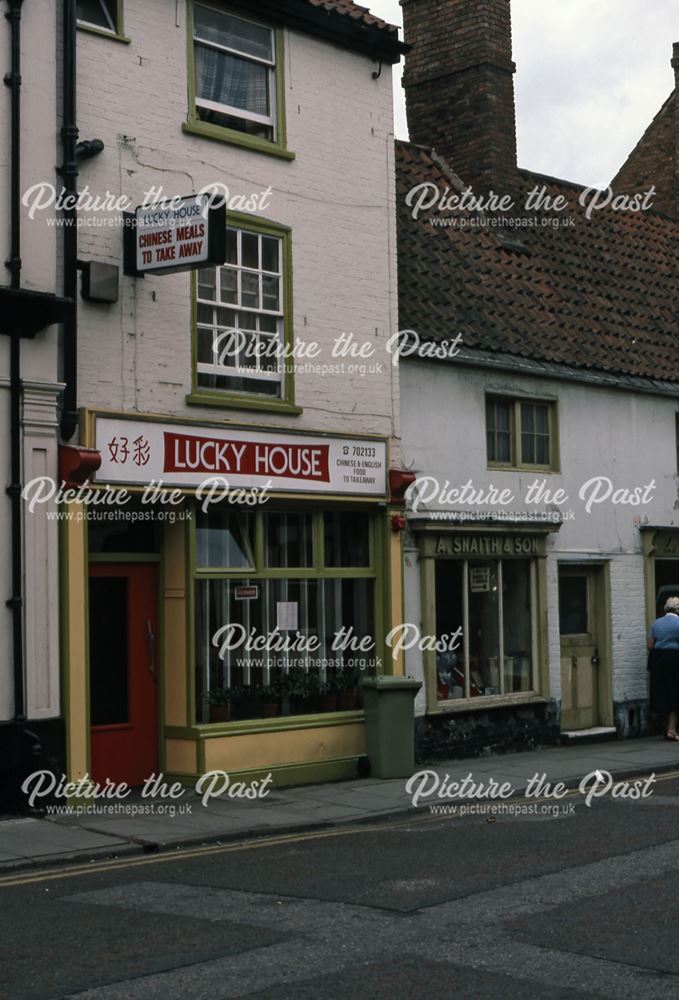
column 15, row 602
column 69, row 178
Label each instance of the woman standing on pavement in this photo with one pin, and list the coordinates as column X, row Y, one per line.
column 663, row 663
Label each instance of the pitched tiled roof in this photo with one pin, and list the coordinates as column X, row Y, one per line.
column 600, row 294
column 355, row 12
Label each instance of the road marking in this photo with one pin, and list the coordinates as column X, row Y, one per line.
column 73, row 871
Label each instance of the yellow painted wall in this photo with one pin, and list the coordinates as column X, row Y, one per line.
column 299, row 746
column 175, row 665
column 181, row 756
column 74, row 643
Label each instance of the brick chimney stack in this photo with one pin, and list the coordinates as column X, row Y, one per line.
column 459, row 84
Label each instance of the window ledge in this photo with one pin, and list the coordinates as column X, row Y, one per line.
column 92, row 30
column 279, row 723
column 486, row 702
column 231, row 402
column 233, row 138
column 547, row 470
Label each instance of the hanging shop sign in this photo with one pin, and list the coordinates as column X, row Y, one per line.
column 138, row 451
column 178, row 235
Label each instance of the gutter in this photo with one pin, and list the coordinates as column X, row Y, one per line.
column 69, row 178
column 15, row 602
column 332, row 26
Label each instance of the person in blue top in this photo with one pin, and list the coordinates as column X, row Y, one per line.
column 663, row 646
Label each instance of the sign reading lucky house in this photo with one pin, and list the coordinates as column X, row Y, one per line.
column 176, row 235
column 138, row 451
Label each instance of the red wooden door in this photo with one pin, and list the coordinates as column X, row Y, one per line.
column 123, row 672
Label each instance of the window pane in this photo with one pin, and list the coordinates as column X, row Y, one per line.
column 250, row 250
column 232, row 32
column 249, row 290
column 108, row 656
column 289, row 540
column 483, row 628
column 205, row 315
column 528, row 449
column 573, row 618
column 231, row 246
column 541, row 419
column 206, row 283
column 450, row 668
column 224, row 539
column 542, row 450
column 527, row 418
column 100, row 13
column 503, row 449
column 516, row 619
column 228, row 284
column 498, row 430
column 230, row 80
column 270, row 299
column 205, row 346
column 284, row 682
column 270, row 258
column 347, row 539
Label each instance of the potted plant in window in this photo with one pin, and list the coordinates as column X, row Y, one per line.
column 312, row 692
column 327, row 694
column 346, row 694
column 268, row 702
column 246, row 702
column 220, row 704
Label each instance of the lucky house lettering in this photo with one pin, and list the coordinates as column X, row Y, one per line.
column 186, row 453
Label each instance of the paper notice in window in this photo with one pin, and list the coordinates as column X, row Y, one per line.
column 287, row 615
column 479, row 579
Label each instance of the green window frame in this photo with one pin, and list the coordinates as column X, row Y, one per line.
column 110, row 19
column 266, row 325
column 237, row 124
column 251, row 566
column 521, row 433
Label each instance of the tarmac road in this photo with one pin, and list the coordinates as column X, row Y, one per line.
column 582, row 904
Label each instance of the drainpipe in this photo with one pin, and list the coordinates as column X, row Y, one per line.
column 69, row 178
column 15, row 602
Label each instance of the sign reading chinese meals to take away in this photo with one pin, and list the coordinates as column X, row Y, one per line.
column 138, row 451
column 178, row 234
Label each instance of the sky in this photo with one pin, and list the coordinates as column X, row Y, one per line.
column 590, row 76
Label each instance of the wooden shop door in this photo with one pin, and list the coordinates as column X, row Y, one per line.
column 579, row 628
column 123, row 672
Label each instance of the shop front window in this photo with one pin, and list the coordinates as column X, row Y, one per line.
column 280, row 630
column 490, row 605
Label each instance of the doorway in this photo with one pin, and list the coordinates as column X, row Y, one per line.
column 123, row 672
column 583, row 634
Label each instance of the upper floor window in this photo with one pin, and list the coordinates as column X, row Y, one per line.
column 235, row 80
column 243, row 314
column 521, row 433
column 101, row 14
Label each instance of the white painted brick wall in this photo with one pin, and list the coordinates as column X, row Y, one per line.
column 629, row 438
column 337, row 195
column 39, row 356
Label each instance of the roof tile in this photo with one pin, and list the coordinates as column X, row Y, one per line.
column 602, row 294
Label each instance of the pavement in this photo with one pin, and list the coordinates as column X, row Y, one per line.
column 139, row 825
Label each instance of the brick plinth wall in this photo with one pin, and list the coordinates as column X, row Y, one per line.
column 475, row 734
